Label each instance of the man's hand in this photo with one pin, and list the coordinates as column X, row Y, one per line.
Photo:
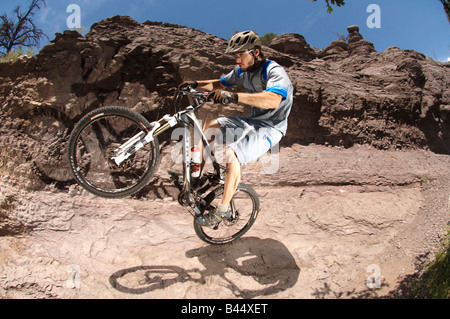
column 224, row 97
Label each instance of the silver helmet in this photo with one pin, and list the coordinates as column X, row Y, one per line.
column 246, row 40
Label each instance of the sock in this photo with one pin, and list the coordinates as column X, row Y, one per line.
column 223, row 208
column 223, row 211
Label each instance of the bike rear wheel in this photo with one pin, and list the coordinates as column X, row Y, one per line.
column 95, row 140
column 244, row 207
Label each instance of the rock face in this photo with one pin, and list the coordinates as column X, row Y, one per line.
column 356, row 44
column 293, row 44
column 345, row 94
column 337, row 50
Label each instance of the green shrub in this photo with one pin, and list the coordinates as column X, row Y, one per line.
column 15, row 54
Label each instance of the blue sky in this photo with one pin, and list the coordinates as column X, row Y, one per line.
column 419, row 25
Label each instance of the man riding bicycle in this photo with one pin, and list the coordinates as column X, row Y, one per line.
column 269, row 92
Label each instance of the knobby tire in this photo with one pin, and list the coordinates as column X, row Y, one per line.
column 93, row 130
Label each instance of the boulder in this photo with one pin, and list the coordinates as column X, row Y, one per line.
column 356, row 43
column 293, row 44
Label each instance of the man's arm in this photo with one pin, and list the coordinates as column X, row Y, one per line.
column 210, row 85
column 263, row 100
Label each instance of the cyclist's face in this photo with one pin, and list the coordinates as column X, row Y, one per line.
column 245, row 59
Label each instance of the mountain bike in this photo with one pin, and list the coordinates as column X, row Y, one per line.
column 114, row 152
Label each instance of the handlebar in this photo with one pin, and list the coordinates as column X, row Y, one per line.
column 200, row 97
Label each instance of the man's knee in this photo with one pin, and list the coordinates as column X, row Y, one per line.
column 231, row 157
column 211, row 124
column 211, row 130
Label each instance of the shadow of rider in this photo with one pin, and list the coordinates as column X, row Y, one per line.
column 267, row 261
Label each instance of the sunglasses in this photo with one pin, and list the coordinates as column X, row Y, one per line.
column 241, row 55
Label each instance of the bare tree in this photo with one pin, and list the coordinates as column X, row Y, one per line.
column 21, row 30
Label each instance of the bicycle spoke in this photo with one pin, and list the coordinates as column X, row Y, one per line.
column 97, row 143
column 244, row 207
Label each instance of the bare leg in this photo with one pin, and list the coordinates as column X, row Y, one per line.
column 232, row 177
column 213, row 124
column 233, row 172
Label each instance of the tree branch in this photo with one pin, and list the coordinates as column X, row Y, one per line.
column 338, row 3
column 24, row 31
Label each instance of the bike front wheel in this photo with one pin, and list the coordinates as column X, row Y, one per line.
column 93, row 144
column 244, row 208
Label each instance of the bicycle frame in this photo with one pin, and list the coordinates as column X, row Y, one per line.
column 186, row 117
column 104, row 159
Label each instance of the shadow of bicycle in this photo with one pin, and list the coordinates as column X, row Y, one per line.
column 267, row 261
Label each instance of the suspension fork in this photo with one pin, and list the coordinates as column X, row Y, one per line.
column 138, row 141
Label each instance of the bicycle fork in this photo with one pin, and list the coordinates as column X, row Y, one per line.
column 134, row 144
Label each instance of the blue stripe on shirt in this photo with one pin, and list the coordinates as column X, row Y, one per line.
column 225, row 83
column 264, row 69
column 280, row 91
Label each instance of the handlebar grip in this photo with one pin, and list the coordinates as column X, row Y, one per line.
column 226, row 100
